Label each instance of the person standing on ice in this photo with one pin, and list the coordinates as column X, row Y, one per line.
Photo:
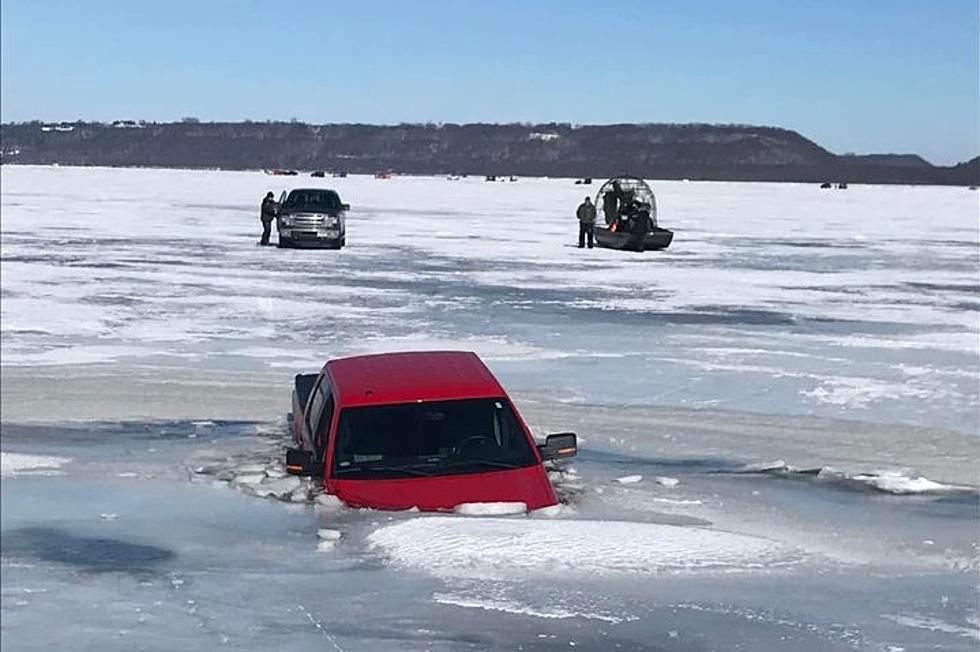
column 268, row 213
column 611, row 203
column 586, row 222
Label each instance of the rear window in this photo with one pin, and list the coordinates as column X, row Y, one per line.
column 428, row 439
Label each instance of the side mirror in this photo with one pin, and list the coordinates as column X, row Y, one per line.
column 299, row 462
column 345, row 207
column 560, row 446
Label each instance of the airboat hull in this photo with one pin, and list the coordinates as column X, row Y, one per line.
column 656, row 239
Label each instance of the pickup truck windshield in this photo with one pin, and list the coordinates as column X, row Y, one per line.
column 311, row 201
column 428, row 439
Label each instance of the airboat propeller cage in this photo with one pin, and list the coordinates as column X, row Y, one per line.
column 633, row 188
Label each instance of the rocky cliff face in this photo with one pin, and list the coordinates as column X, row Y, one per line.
column 697, row 151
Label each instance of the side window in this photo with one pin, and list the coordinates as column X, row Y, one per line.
column 323, row 427
column 316, row 404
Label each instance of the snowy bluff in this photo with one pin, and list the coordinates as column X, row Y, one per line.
column 662, row 151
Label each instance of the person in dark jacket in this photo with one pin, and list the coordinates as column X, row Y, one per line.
column 611, row 203
column 586, row 222
column 640, row 225
column 269, row 210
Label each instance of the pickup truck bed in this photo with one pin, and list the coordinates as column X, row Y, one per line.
column 303, row 386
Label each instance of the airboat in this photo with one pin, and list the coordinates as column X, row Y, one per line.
column 630, row 211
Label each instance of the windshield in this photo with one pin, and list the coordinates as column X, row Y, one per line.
column 312, row 201
column 426, row 439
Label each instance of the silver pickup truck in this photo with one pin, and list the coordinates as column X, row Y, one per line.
column 312, row 217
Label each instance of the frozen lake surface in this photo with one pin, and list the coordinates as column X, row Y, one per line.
column 775, row 298
column 779, row 416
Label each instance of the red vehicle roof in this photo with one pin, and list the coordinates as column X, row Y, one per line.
column 415, row 376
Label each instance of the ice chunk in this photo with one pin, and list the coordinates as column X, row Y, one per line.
column 491, row 509
column 327, row 534
column 249, row 469
column 551, row 511
column 897, row 482
column 667, row 482
column 325, row 546
column 328, row 502
column 282, row 486
column 629, row 479
column 247, row 479
column 762, row 467
column 262, row 491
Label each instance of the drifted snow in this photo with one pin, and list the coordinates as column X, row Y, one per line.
column 510, row 605
column 22, row 464
column 500, row 548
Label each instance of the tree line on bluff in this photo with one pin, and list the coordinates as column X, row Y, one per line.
column 665, row 151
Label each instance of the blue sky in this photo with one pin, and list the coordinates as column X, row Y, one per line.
column 855, row 75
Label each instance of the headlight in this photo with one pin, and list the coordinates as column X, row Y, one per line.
column 330, row 221
column 286, row 220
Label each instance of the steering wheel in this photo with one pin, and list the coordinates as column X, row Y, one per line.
column 473, row 441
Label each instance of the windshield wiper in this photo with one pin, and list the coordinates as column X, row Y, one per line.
column 385, row 469
column 499, row 465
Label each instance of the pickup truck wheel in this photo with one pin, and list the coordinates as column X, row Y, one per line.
column 284, row 242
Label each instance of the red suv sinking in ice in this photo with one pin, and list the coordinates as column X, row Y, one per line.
column 431, row 430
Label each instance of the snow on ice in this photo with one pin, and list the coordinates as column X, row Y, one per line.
column 850, row 272
column 12, row 464
column 506, row 548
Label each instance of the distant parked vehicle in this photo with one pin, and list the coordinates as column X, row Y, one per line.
column 491, row 177
column 825, row 185
column 382, row 175
column 842, row 186
column 312, row 218
column 319, row 174
column 340, row 175
column 282, row 172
